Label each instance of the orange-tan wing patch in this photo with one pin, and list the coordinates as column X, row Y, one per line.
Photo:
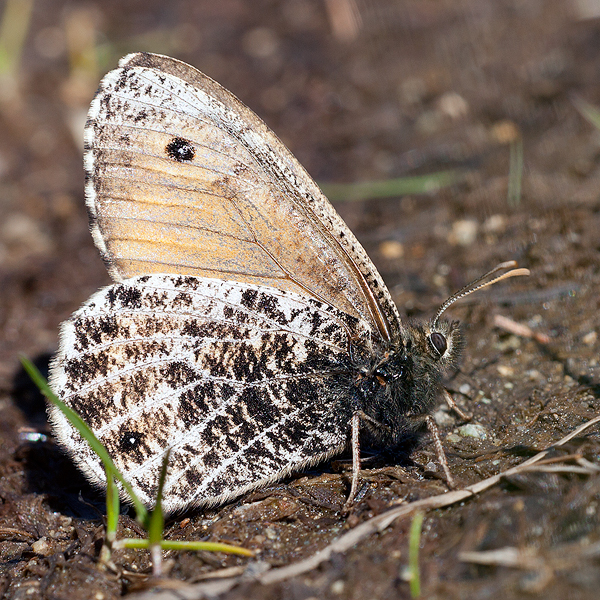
column 183, row 178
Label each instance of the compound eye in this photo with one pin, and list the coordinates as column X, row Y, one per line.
column 438, row 341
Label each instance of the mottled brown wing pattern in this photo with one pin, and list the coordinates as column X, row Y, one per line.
column 183, row 178
column 248, row 331
column 243, row 383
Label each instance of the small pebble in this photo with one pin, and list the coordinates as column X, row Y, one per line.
column 391, row 249
column 495, row 224
column 442, row 418
column 512, row 342
column 337, row 587
column 42, row 547
column 505, row 132
column 463, row 232
column 505, row 370
column 19, row 230
column 453, row 105
column 473, row 430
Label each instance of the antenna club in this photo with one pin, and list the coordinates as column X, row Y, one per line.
column 480, row 283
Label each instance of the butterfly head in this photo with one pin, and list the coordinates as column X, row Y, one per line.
column 439, row 343
column 398, row 388
column 431, row 350
column 401, row 385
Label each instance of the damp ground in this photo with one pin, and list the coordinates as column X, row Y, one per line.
column 367, row 91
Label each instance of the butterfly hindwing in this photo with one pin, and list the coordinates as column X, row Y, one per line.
column 244, row 383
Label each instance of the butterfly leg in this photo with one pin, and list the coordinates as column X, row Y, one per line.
column 439, row 450
column 356, row 418
column 453, row 406
column 355, row 459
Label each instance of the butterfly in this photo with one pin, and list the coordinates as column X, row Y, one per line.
column 247, row 331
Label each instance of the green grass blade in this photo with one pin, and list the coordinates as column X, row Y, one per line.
column 206, row 546
column 87, row 434
column 363, row 190
column 14, row 26
column 414, row 543
column 188, row 546
column 157, row 518
column 515, row 172
column 112, row 508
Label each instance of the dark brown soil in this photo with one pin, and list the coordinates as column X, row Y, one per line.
column 415, row 87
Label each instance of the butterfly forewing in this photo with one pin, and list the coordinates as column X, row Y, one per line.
column 243, row 383
column 183, row 178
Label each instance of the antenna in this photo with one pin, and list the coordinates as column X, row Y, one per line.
column 480, row 283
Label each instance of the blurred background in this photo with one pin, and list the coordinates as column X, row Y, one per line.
column 450, row 134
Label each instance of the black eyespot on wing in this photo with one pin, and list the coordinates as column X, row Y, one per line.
column 438, row 341
column 180, row 150
column 130, row 440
